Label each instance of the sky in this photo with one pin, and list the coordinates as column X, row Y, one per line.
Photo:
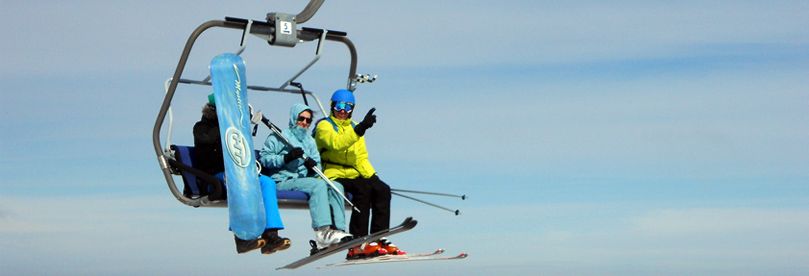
column 591, row 138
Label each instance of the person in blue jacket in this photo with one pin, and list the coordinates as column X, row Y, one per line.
column 208, row 158
column 292, row 172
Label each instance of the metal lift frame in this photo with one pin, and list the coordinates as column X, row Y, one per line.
column 265, row 30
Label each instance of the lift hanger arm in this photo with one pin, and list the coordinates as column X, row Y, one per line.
column 308, row 11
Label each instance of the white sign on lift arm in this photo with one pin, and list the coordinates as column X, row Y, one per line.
column 286, row 27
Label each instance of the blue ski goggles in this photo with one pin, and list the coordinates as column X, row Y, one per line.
column 347, row 106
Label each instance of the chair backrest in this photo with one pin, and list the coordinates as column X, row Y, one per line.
column 185, row 154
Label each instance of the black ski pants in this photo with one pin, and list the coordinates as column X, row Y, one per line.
column 372, row 197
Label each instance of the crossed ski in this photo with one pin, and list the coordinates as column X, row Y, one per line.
column 406, row 225
column 428, row 256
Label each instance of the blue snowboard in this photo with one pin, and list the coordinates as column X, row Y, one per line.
column 245, row 204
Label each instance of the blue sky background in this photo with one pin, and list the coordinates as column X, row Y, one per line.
column 630, row 137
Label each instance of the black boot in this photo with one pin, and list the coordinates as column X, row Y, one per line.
column 243, row 246
column 274, row 242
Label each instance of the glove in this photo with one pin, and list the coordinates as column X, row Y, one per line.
column 370, row 118
column 309, row 163
column 366, row 123
column 293, row 154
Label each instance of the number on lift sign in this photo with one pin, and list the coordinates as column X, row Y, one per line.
column 286, row 27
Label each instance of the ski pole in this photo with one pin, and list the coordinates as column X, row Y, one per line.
column 463, row 197
column 283, row 139
column 457, row 212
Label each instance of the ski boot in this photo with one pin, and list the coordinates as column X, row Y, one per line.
column 366, row 250
column 244, row 246
column 391, row 248
column 327, row 236
column 274, row 242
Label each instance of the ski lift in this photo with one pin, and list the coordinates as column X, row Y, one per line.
column 279, row 29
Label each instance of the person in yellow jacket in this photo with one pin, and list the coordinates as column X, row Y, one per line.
column 341, row 143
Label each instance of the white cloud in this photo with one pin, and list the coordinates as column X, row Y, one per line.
column 721, row 222
column 644, row 237
column 422, row 33
column 573, row 237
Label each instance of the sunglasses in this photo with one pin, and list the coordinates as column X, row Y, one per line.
column 348, row 107
column 304, row 119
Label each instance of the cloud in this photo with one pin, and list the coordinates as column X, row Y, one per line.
column 722, row 222
column 617, row 237
column 12, row 223
column 398, row 35
column 81, row 213
column 644, row 237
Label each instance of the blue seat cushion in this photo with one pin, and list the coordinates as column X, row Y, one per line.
column 185, row 154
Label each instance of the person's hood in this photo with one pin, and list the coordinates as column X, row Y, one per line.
column 209, row 113
column 294, row 111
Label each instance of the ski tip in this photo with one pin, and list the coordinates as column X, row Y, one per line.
column 409, row 223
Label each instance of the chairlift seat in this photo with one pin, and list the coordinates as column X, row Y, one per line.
column 185, row 155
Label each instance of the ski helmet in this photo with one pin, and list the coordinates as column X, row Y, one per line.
column 342, row 95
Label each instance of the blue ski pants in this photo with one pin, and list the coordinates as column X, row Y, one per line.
column 324, row 203
column 268, row 193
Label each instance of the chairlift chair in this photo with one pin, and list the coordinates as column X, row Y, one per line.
column 279, row 29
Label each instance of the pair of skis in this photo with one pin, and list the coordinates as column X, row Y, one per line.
column 430, row 256
column 407, row 224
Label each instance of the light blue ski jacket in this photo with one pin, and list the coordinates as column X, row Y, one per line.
column 272, row 154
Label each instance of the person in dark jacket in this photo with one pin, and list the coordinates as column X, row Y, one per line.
column 208, row 158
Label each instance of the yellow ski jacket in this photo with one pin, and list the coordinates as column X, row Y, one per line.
column 342, row 151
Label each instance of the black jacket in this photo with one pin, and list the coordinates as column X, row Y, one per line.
column 208, row 146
